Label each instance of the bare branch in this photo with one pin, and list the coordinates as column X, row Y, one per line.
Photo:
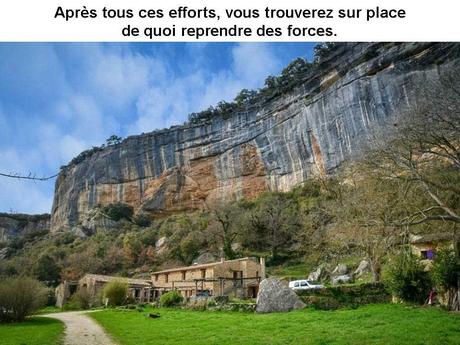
column 28, row 177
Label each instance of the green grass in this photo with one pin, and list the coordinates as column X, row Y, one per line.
column 293, row 271
column 372, row 324
column 33, row 331
column 48, row 310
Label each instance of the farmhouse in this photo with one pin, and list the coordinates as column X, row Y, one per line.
column 239, row 278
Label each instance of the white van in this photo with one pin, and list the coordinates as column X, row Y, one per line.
column 304, row 285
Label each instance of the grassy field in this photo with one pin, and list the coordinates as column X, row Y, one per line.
column 34, row 331
column 373, row 324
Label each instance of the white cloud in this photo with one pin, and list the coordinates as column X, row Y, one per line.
column 170, row 99
column 104, row 90
column 253, row 62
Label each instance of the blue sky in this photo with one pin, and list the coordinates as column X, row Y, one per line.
column 57, row 99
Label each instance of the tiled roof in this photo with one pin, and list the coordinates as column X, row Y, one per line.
column 195, row 267
column 106, row 279
column 434, row 237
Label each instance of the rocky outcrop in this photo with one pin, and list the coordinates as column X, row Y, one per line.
column 275, row 146
column 319, row 275
column 341, row 279
column 13, row 225
column 340, row 270
column 363, row 268
column 274, row 296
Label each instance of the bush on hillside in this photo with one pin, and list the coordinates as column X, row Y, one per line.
column 119, row 211
column 407, row 278
column 20, row 297
column 142, row 219
column 171, row 299
column 116, row 292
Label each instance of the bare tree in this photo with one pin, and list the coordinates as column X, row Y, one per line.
column 422, row 147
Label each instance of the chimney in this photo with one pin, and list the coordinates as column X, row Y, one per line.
column 262, row 267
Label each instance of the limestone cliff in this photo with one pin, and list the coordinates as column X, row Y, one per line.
column 14, row 225
column 277, row 145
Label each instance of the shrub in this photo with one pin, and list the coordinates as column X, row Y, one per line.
column 446, row 269
column 407, row 278
column 119, row 211
column 345, row 296
column 80, row 300
column 142, row 219
column 116, row 292
column 171, row 299
column 20, row 297
column 446, row 275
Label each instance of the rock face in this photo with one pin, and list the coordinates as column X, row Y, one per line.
column 340, row 270
column 340, row 279
column 274, row 296
column 320, row 274
column 363, row 268
column 204, row 258
column 276, row 146
column 14, row 225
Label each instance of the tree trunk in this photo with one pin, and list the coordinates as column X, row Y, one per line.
column 376, row 271
column 453, row 299
column 228, row 251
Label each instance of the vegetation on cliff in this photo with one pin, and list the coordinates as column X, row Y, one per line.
column 291, row 76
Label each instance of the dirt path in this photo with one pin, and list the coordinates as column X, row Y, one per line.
column 80, row 329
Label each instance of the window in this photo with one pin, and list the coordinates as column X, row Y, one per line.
column 156, row 277
column 296, row 284
column 166, row 277
column 428, row 254
column 203, row 273
column 303, row 283
column 183, row 275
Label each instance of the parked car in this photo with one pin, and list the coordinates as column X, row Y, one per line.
column 304, row 285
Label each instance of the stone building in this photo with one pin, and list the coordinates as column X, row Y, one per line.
column 425, row 246
column 139, row 290
column 239, row 278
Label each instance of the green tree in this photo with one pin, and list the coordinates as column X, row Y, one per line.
column 132, row 248
column 47, row 270
column 407, row 278
column 446, row 274
column 113, row 140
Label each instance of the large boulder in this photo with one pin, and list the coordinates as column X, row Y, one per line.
column 340, row 270
column 341, row 279
column 274, row 296
column 363, row 268
column 204, row 258
column 3, row 253
column 321, row 274
column 160, row 242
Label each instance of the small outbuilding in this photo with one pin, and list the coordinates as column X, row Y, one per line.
column 425, row 246
column 138, row 289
